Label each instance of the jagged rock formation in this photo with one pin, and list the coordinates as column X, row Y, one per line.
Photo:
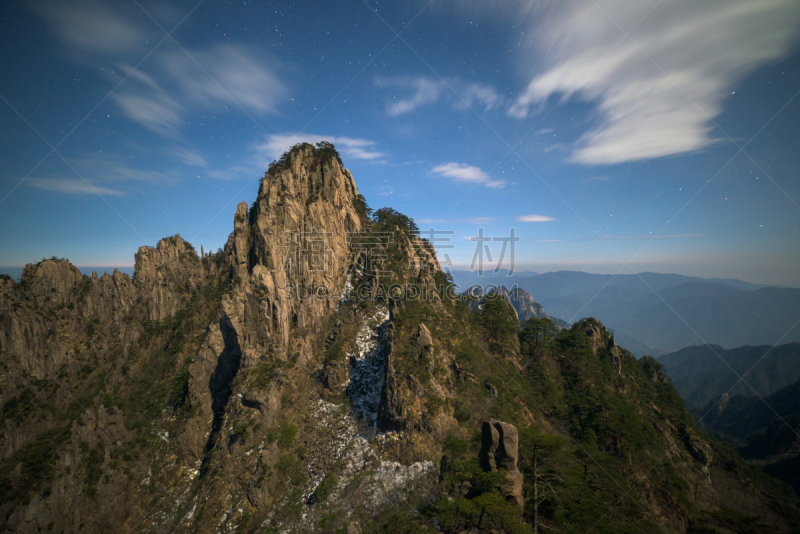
column 425, row 338
column 165, row 274
column 287, row 258
column 526, row 306
column 500, row 451
column 292, row 253
column 523, row 303
column 601, row 341
column 311, row 375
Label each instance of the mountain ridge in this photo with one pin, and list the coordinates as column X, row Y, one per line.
column 703, row 373
column 298, row 380
column 762, row 429
column 686, row 311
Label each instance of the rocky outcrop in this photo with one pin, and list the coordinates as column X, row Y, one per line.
column 335, row 374
column 602, row 342
column 51, row 283
column 424, row 335
column 616, row 359
column 45, row 317
column 393, row 412
column 165, row 273
column 290, row 253
column 526, row 307
column 500, row 452
column 32, row 337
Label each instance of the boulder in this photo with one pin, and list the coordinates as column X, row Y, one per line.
column 500, row 451
column 425, row 338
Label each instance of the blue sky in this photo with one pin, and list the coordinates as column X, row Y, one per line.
column 659, row 136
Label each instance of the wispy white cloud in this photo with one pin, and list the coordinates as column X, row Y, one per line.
column 187, row 156
column 163, row 93
column 230, row 71
column 425, row 91
column 114, row 170
column 163, row 99
column 534, row 218
column 145, row 103
column 91, row 26
column 70, row 186
column 554, row 146
column 350, row 148
column 476, row 95
column 482, row 220
column 461, row 172
column 704, row 47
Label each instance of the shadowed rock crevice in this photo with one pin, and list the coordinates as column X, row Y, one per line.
column 220, row 383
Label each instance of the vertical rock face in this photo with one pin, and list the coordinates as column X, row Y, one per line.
column 400, row 399
column 51, row 282
column 601, row 341
column 288, row 257
column 291, row 251
column 613, row 350
column 166, row 271
column 500, row 451
column 425, row 338
column 28, row 337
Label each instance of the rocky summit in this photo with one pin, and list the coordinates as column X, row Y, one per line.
column 321, row 374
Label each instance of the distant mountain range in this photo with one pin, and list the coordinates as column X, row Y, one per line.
column 702, row 374
column 762, row 429
column 760, row 418
column 740, row 416
column 686, row 311
column 465, row 279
